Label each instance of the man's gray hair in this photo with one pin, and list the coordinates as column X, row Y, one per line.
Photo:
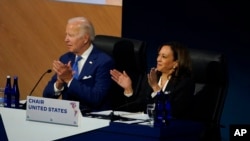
column 85, row 25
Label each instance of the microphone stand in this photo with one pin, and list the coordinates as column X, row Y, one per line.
column 114, row 117
column 48, row 71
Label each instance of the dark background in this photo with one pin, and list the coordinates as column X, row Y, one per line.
column 217, row 25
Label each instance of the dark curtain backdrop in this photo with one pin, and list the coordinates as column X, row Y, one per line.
column 219, row 25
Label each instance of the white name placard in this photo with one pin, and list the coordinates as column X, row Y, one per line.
column 52, row 110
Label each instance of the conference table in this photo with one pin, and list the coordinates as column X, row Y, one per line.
column 96, row 128
column 20, row 129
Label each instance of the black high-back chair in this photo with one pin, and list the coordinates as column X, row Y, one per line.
column 211, row 79
column 130, row 56
column 107, row 43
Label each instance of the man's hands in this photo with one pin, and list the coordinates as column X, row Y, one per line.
column 64, row 73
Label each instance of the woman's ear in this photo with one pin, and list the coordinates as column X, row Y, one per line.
column 175, row 65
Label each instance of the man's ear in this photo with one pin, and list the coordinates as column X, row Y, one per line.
column 86, row 38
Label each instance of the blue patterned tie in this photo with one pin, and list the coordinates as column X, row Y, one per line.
column 75, row 67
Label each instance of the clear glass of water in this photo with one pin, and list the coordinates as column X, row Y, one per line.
column 1, row 97
column 151, row 112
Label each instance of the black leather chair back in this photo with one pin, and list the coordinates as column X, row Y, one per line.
column 109, row 43
column 129, row 55
column 210, row 75
column 211, row 79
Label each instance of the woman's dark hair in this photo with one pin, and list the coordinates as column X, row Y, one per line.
column 181, row 55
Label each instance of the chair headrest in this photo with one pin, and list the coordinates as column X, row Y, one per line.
column 107, row 44
column 208, row 63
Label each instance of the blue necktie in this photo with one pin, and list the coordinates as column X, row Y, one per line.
column 75, row 67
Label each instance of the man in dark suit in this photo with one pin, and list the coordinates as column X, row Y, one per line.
column 87, row 79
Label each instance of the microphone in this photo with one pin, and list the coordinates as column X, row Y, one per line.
column 48, row 71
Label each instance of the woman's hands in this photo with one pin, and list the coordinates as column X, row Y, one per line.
column 123, row 80
column 152, row 80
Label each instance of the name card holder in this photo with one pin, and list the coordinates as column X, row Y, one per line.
column 52, row 110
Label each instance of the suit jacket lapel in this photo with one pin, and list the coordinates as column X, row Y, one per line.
column 169, row 86
column 91, row 60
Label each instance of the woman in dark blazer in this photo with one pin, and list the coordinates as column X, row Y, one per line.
column 172, row 76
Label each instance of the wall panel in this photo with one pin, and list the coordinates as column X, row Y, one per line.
column 32, row 36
